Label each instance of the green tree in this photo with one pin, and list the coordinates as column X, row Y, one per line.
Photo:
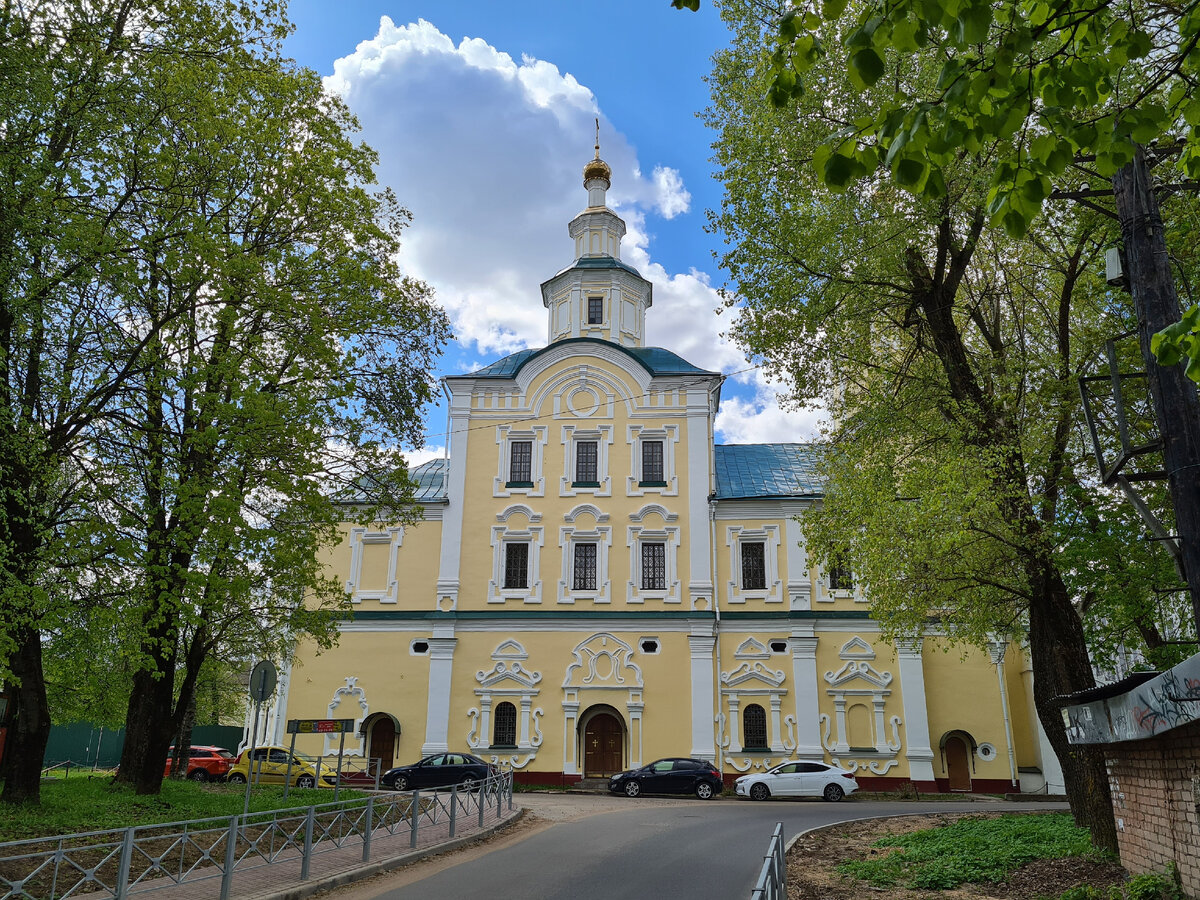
column 946, row 353
column 221, row 341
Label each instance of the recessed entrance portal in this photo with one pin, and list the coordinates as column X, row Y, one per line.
column 382, row 743
column 958, row 763
column 603, row 745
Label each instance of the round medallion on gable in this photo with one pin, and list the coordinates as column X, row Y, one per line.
column 583, row 402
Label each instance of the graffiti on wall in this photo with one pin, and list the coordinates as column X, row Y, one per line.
column 1150, row 708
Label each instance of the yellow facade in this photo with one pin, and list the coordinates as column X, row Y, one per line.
column 595, row 585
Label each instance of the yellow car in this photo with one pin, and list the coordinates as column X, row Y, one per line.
column 271, row 767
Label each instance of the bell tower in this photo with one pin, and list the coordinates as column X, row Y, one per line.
column 598, row 296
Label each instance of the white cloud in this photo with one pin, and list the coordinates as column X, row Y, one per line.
column 487, row 152
column 760, row 418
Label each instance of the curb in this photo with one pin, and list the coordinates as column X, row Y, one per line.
column 341, row 879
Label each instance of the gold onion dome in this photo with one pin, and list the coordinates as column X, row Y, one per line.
column 597, row 168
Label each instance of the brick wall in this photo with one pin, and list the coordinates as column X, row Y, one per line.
column 1156, row 792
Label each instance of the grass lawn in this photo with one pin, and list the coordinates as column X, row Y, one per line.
column 82, row 803
column 971, row 850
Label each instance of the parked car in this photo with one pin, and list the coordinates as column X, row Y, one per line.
column 271, row 767
column 798, row 779
column 439, row 770
column 204, row 763
column 669, row 776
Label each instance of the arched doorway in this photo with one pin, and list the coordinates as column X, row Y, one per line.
column 381, row 730
column 958, row 762
column 603, row 745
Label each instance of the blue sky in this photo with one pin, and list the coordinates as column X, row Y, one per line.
column 482, row 113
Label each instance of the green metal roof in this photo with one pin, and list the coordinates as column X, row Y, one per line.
column 431, row 481
column 746, row 471
column 655, row 360
column 596, row 262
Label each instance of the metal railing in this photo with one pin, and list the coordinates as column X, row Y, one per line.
column 772, row 878
column 122, row 862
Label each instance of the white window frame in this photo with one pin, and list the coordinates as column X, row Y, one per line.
column 359, row 539
column 502, row 536
column 669, row 536
column 669, row 435
column 573, row 435
column 505, row 436
column 768, row 536
column 568, row 537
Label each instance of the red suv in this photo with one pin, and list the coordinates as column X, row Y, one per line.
column 204, row 763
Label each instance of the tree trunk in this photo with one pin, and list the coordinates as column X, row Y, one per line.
column 26, row 742
column 1061, row 665
column 1176, row 405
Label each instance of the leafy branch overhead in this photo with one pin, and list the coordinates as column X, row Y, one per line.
column 1030, row 86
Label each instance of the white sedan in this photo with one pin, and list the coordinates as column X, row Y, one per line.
column 798, row 779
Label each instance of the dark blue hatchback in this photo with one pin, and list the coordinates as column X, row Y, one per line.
column 669, row 776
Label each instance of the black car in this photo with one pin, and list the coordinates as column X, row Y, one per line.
column 669, row 776
column 439, row 770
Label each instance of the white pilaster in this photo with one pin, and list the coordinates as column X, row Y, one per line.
column 441, row 670
column 735, row 727
column 452, row 517
column 702, row 642
column 839, row 715
column 916, row 712
column 777, row 724
column 570, row 717
column 700, row 578
column 804, row 692
column 799, row 585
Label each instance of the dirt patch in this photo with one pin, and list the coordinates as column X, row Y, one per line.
column 813, row 861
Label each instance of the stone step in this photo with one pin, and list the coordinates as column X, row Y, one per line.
column 592, row 785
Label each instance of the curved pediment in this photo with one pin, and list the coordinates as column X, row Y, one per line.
column 861, row 671
column 508, row 674
column 603, row 660
column 751, row 648
column 510, row 649
column 856, row 648
column 752, row 675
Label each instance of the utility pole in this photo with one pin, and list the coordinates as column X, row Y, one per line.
column 1176, row 404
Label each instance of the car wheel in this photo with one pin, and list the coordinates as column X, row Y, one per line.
column 632, row 788
column 237, row 778
column 759, row 791
column 834, row 792
column 197, row 775
column 704, row 790
column 306, row 781
column 468, row 783
column 400, row 784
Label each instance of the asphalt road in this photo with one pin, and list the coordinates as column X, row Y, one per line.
column 581, row 847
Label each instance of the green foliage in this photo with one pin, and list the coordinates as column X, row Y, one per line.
column 1153, row 886
column 971, row 850
column 79, row 804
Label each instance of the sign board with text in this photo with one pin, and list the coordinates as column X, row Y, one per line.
column 320, row 726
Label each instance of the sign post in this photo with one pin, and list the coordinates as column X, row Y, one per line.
column 262, row 687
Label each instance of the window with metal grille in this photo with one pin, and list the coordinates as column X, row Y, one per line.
column 840, row 577
column 595, row 310
column 516, row 566
column 754, row 728
column 654, row 567
column 520, row 463
column 504, row 729
column 754, row 566
column 652, row 462
column 584, row 578
column 586, row 470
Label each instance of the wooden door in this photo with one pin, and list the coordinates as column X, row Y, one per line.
column 383, row 743
column 603, row 746
column 958, row 764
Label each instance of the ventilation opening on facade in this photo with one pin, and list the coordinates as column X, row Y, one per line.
column 779, row 646
column 649, row 645
column 420, row 647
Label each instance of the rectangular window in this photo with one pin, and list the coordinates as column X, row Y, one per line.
column 516, row 566
column 586, row 468
column 840, row 577
column 652, row 463
column 584, row 578
column 595, row 310
column 654, row 567
column 754, row 567
column 520, row 463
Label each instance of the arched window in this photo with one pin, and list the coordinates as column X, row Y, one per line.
column 858, row 727
column 754, row 728
column 504, row 731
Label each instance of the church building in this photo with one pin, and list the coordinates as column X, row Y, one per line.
column 595, row 584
